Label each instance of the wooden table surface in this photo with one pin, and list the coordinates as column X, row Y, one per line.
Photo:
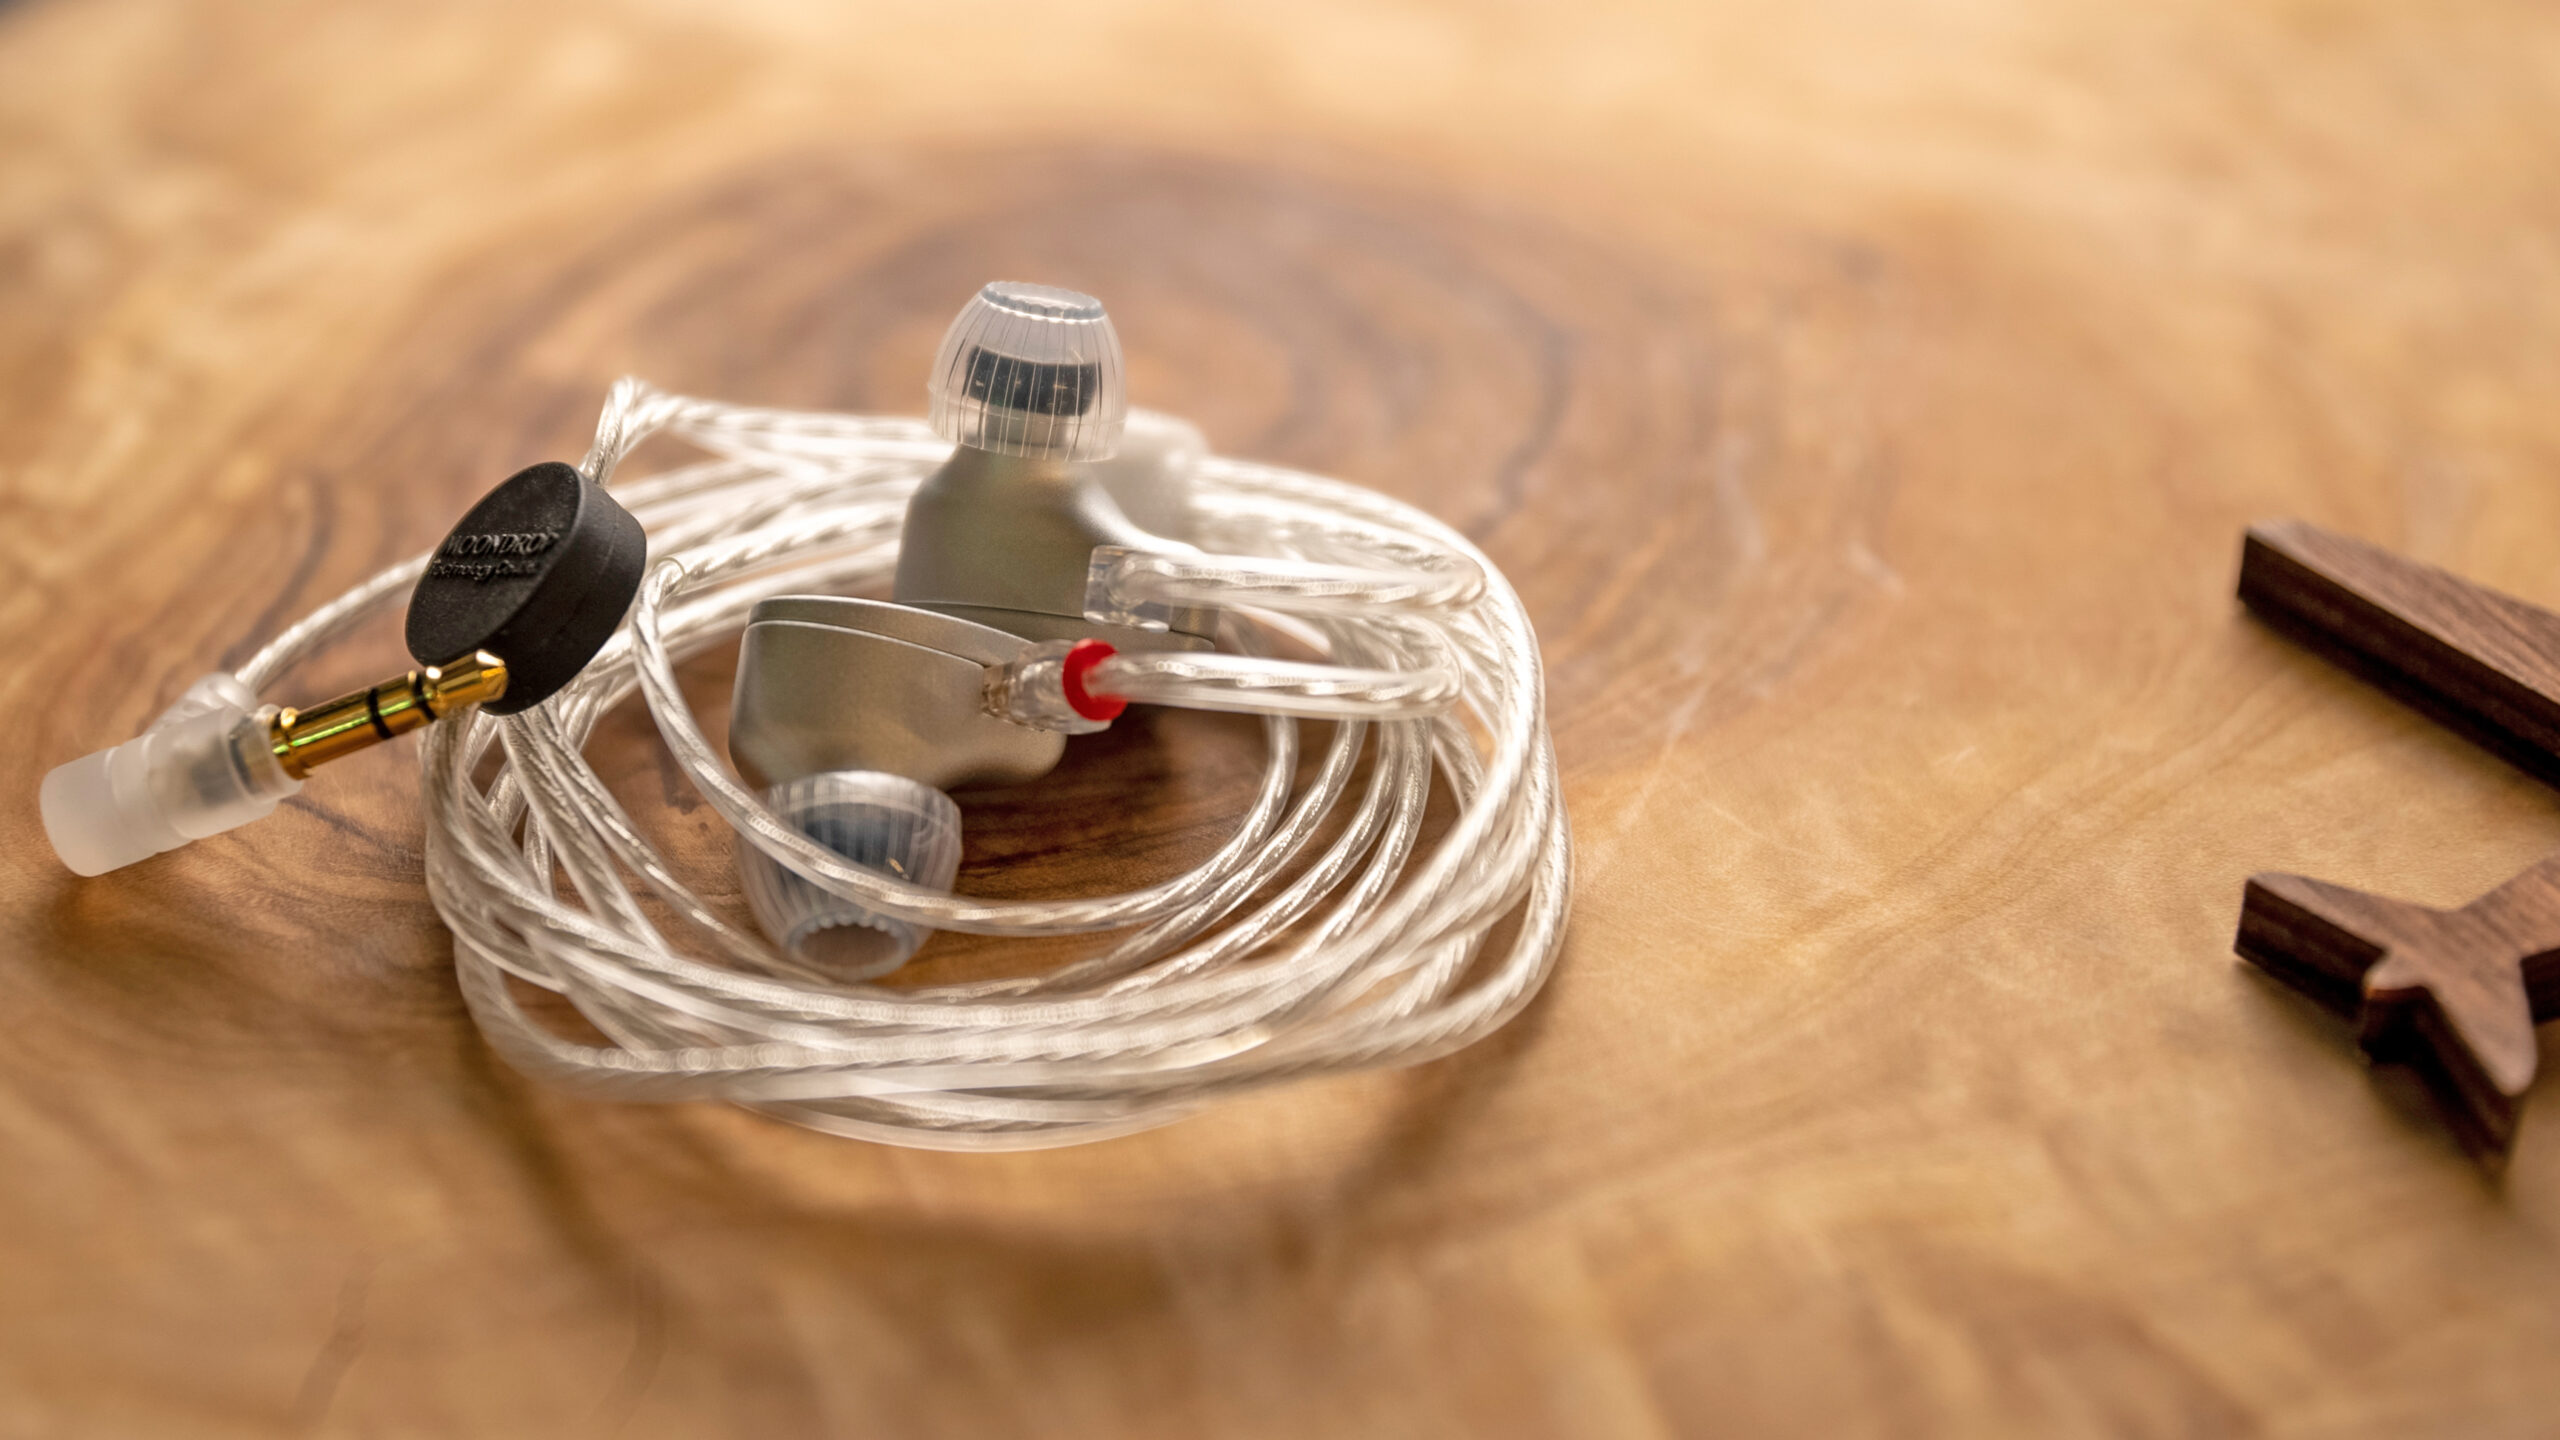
column 1866, row 399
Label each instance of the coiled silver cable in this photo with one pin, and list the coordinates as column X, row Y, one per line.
column 1274, row 959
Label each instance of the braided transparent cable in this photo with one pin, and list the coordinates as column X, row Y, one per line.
column 1275, row 687
column 1298, row 947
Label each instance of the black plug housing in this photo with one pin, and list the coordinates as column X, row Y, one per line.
column 538, row 574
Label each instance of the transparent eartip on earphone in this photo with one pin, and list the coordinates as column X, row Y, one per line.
column 876, row 820
column 1030, row 370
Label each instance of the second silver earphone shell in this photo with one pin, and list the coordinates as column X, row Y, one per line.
column 855, row 717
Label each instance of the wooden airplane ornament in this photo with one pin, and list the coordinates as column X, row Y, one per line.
column 2455, row 993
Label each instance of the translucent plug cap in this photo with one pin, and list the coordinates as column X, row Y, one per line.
column 876, row 820
column 1030, row 370
column 203, row 768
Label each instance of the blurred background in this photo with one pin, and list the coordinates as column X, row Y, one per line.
column 1865, row 397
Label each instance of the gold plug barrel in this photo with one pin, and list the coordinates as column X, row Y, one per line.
column 364, row 718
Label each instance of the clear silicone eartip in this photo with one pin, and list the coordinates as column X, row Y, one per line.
column 1030, row 370
column 876, row 820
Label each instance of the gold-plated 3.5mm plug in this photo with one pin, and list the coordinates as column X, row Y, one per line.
column 364, row 718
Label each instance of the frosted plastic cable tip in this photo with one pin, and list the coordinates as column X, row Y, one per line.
column 876, row 820
column 204, row 767
column 1030, row 370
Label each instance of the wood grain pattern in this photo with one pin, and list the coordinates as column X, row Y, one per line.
column 1862, row 396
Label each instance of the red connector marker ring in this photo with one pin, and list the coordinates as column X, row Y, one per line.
column 1081, row 658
